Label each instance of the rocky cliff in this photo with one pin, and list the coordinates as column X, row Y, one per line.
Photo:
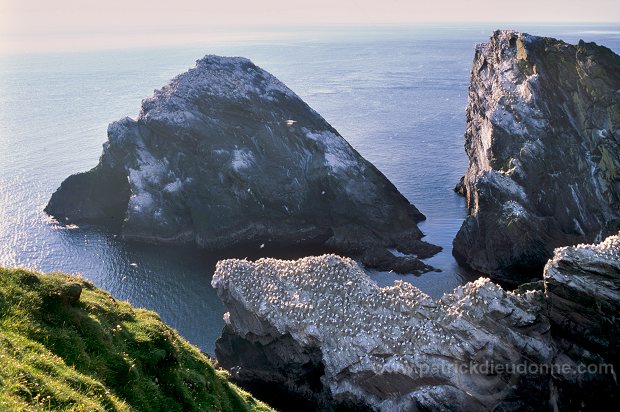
column 582, row 289
column 323, row 329
column 320, row 328
column 227, row 155
column 544, row 147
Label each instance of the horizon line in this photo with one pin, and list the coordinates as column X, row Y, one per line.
column 270, row 34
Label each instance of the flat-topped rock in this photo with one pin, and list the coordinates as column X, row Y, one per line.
column 227, row 155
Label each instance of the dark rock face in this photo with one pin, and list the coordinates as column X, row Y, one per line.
column 100, row 195
column 71, row 293
column 544, row 148
column 320, row 328
column 582, row 287
column 227, row 155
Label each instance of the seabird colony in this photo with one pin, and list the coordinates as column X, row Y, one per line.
column 330, row 302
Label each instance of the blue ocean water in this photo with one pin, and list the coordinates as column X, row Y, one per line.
column 398, row 95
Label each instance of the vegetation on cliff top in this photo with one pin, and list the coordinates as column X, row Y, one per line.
column 66, row 345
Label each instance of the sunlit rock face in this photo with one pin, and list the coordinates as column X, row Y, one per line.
column 544, row 148
column 582, row 288
column 391, row 348
column 227, row 155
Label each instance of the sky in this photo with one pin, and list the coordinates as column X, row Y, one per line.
column 64, row 25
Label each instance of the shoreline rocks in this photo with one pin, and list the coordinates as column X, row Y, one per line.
column 320, row 328
column 544, row 147
column 226, row 155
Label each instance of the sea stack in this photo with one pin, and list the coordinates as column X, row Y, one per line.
column 226, row 155
column 544, row 148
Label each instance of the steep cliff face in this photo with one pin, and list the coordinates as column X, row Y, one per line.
column 226, row 154
column 320, row 328
column 544, row 147
column 323, row 329
column 582, row 288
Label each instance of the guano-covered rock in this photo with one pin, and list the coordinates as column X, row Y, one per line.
column 322, row 329
column 582, row 290
column 227, row 155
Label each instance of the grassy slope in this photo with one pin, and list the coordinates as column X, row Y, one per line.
column 98, row 354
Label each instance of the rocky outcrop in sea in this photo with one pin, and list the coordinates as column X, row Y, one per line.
column 544, row 148
column 226, row 155
column 323, row 330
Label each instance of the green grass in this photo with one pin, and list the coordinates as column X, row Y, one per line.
column 98, row 354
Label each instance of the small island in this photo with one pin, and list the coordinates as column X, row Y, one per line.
column 543, row 143
column 225, row 156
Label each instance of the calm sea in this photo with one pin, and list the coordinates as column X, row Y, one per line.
column 398, row 95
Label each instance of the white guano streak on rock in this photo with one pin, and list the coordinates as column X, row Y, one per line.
column 242, row 159
column 338, row 154
column 508, row 90
column 149, row 173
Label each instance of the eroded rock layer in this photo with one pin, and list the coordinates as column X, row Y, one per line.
column 544, row 147
column 227, row 155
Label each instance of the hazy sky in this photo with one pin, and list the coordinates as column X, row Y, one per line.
column 42, row 25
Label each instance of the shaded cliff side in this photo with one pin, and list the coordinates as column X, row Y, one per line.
column 544, row 148
column 227, row 155
column 582, row 290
